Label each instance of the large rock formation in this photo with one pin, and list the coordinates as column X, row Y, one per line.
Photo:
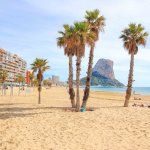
column 105, row 68
column 103, row 74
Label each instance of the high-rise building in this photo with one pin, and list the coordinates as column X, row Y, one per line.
column 13, row 64
column 55, row 79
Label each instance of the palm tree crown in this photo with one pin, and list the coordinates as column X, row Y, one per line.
column 19, row 78
column 82, row 36
column 66, row 40
column 31, row 76
column 95, row 21
column 74, row 38
column 3, row 75
column 40, row 65
column 133, row 36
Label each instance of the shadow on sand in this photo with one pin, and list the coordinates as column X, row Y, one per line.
column 11, row 111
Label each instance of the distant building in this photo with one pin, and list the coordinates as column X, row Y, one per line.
column 13, row 64
column 55, row 79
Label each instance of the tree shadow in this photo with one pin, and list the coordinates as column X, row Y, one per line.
column 21, row 109
column 4, row 116
column 14, row 112
column 3, row 104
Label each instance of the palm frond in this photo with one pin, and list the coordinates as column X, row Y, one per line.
column 133, row 36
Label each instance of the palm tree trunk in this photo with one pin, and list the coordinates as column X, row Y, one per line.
column 31, row 84
column 78, row 64
column 130, row 80
column 2, row 89
column 19, row 88
column 11, row 89
column 39, row 90
column 71, row 90
column 89, row 76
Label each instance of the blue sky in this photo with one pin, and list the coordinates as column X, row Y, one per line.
column 29, row 28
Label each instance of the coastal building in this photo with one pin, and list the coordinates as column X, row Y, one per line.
column 55, row 79
column 13, row 64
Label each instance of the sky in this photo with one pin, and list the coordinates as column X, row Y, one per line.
column 29, row 28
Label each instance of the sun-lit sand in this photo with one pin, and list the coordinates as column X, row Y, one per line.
column 25, row 125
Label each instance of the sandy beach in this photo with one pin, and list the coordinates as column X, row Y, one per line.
column 25, row 125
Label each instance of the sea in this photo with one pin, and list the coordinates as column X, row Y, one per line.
column 136, row 90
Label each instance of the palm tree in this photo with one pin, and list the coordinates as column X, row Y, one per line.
column 39, row 66
column 66, row 41
column 31, row 77
column 35, row 82
column 3, row 77
column 20, row 79
column 96, row 24
column 82, row 35
column 132, row 37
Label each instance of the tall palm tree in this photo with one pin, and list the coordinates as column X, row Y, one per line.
column 132, row 37
column 96, row 24
column 3, row 77
column 19, row 79
column 39, row 66
column 81, row 36
column 66, row 41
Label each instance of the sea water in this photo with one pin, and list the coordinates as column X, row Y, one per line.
column 137, row 90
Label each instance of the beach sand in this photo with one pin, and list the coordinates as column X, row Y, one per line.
column 25, row 125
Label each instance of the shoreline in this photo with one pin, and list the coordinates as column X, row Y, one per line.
column 138, row 90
